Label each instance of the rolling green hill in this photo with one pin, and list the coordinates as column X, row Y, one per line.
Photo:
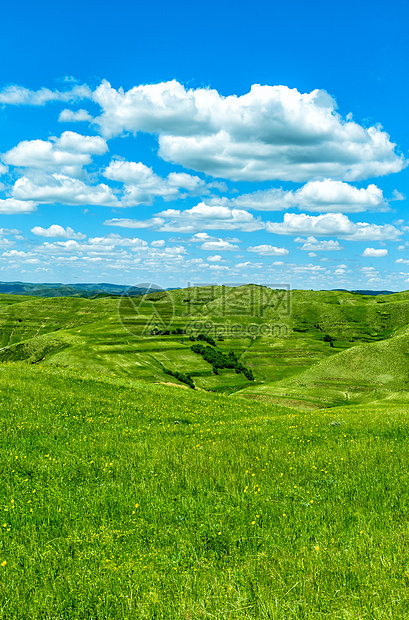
column 308, row 348
column 365, row 373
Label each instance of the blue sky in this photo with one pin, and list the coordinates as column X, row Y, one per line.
column 221, row 143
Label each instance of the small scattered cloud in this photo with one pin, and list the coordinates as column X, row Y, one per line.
column 18, row 95
column 221, row 245
column 374, row 253
column 77, row 116
column 397, row 195
column 216, row 258
column 55, row 230
column 200, row 237
column 268, row 250
column 9, row 231
column 311, row 244
column 154, row 222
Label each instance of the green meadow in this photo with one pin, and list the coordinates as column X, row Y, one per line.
column 126, row 494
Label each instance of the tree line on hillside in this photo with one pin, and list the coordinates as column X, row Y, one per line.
column 167, row 332
column 219, row 360
column 180, row 376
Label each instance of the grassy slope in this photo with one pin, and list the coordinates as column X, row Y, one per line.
column 124, row 500
column 108, row 337
column 365, row 373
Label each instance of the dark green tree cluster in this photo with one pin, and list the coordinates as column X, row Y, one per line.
column 181, row 377
column 205, row 338
column 330, row 339
column 166, row 332
column 219, row 360
column 159, row 332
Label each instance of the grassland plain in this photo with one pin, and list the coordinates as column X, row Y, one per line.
column 127, row 500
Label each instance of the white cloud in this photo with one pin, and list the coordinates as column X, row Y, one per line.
column 193, row 184
column 374, row 253
column 18, row 95
column 142, row 185
column 220, row 245
column 403, row 261
column 71, row 116
column 327, row 196
column 272, row 132
column 131, row 173
column 214, row 259
column 312, row 244
column 11, row 205
column 335, row 224
column 142, row 188
column 6, row 243
column 55, row 230
column 336, row 197
column 218, row 267
column 9, row 231
column 245, row 265
column 3, row 169
column 155, row 222
column 268, row 250
column 65, row 190
column 118, row 240
column 67, row 154
column 16, row 254
column 275, row 199
column 73, row 142
column 158, row 243
column 211, row 217
column 176, row 250
column 200, row 237
column 396, row 195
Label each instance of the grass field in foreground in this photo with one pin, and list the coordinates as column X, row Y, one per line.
column 124, row 500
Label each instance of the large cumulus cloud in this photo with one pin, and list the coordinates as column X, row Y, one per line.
column 270, row 133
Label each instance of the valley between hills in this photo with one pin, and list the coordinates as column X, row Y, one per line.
column 305, row 349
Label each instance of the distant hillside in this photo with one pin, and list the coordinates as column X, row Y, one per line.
column 69, row 290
